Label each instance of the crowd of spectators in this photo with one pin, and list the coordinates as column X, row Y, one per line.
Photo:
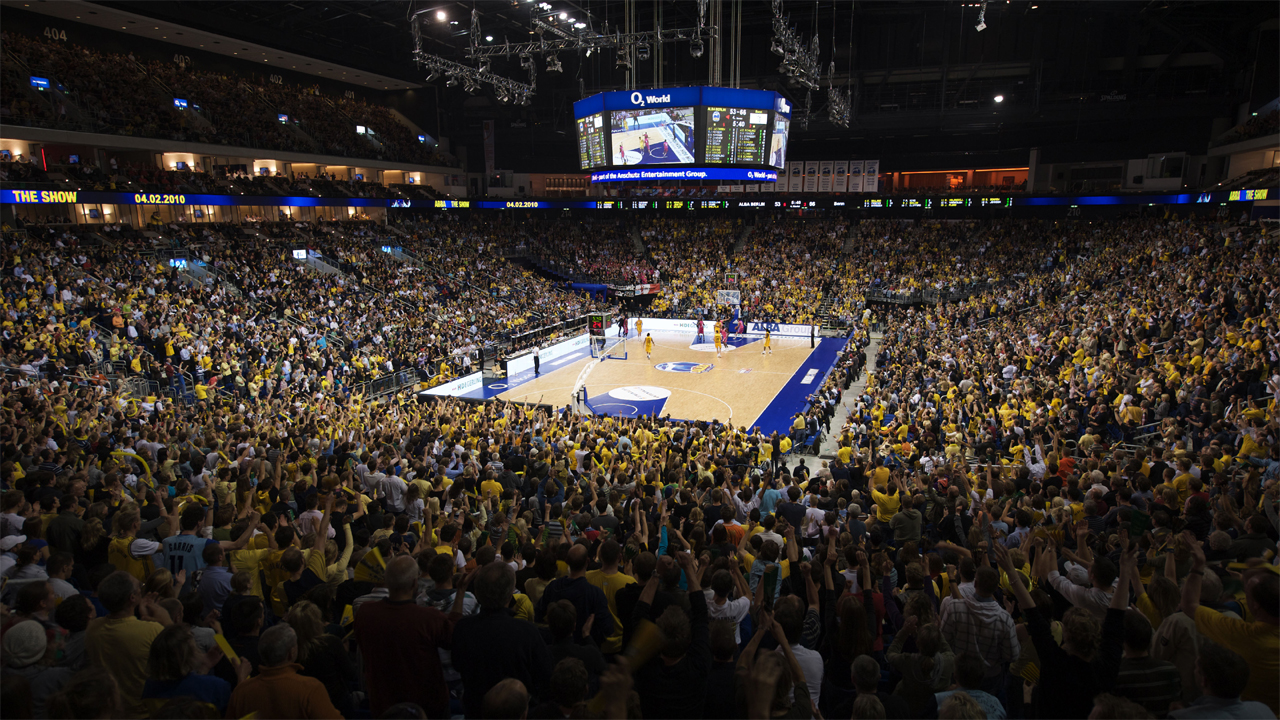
column 601, row 250
column 1256, row 126
column 1054, row 498
column 222, row 108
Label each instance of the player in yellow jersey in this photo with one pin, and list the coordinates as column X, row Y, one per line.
column 716, row 335
column 768, row 343
column 648, row 345
column 639, row 327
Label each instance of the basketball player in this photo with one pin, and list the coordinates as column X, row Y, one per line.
column 666, row 149
column 622, row 154
column 648, row 343
column 645, row 138
column 716, row 337
column 639, row 326
column 700, row 336
column 768, row 343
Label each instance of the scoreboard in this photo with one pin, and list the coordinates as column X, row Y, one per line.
column 708, row 133
column 598, row 324
column 736, row 135
column 591, row 143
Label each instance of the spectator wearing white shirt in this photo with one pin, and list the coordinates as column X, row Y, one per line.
column 720, row 605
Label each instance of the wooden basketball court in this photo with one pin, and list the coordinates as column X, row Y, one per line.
column 696, row 385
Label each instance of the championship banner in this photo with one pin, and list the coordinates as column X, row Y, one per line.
column 795, row 182
column 724, row 188
column 736, row 188
column 811, row 176
column 855, row 176
column 841, row 183
column 825, row 170
column 751, row 188
column 871, row 176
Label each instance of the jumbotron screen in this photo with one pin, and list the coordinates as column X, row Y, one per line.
column 683, row 128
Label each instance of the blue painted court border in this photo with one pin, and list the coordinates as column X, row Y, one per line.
column 794, row 396
column 488, row 391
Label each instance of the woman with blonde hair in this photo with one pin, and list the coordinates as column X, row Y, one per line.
column 323, row 656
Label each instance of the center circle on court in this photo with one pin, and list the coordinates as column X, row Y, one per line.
column 708, row 347
column 636, row 393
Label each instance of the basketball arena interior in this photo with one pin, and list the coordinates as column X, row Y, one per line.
column 640, row 358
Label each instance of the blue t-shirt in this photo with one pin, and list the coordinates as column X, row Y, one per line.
column 987, row 701
column 206, row 688
column 185, row 552
column 769, row 500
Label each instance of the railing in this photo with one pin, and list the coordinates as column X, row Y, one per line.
column 530, row 338
column 386, row 385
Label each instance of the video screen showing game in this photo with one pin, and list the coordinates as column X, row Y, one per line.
column 778, row 144
column 652, row 136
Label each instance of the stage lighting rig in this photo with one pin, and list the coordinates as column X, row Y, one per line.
column 471, row 78
column 800, row 63
column 557, row 30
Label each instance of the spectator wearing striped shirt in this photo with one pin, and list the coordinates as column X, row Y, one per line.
column 1151, row 683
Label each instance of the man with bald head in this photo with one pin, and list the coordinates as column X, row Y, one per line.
column 401, row 643
column 589, row 600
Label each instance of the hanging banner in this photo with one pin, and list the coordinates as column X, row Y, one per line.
column 841, row 183
column 871, row 176
column 855, row 176
column 488, row 148
column 751, row 188
column 825, row 170
column 811, row 176
column 795, row 182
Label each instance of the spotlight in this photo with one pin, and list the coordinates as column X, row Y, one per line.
column 452, row 82
column 564, row 16
column 980, row 26
column 777, row 48
column 525, row 100
column 440, row 15
column 431, row 76
column 642, row 51
column 623, row 59
column 695, row 48
column 472, row 87
column 484, row 65
column 553, row 64
column 999, row 98
column 488, row 38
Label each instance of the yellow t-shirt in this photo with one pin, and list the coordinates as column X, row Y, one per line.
column 610, row 585
column 1257, row 642
column 886, row 505
column 120, row 647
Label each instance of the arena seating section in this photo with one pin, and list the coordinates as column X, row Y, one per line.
column 222, row 109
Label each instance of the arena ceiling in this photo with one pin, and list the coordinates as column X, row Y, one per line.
column 919, row 73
